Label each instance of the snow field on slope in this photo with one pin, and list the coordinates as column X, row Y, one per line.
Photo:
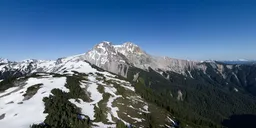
column 26, row 112
column 88, row 107
column 29, row 111
column 78, row 66
column 134, row 118
column 121, row 83
column 113, row 109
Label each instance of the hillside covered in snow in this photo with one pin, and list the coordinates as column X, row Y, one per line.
column 74, row 97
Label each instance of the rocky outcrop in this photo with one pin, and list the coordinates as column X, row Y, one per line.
column 118, row 59
column 104, row 55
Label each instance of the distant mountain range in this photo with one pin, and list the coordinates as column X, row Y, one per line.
column 240, row 61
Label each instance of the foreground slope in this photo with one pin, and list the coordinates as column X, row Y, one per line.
column 90, row 98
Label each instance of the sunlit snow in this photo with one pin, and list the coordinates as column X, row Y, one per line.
column 21, row 114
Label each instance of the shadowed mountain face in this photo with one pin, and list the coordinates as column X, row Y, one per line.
column 240, row 121
column 235, row 77
column 200, row 99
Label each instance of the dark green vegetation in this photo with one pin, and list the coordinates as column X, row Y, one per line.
column 12, row 80
column 238, row 76
column 10, row 74
column 101, row 111
column 7, row 83
column 206, row 103
column 120, row 124
column 73, row 84
column 240, row 121
column 61, row 112
column 2, row 116
column 130, row 106
column 31, row 91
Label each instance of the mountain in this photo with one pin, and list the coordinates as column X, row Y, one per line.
column 3, row 61
column 240, row 61
column 118, row 59
column 181, row 93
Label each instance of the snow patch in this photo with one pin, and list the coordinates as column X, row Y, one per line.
column 180, row 97
column 30, row 111
column 41, row 74
column 130, row 106
column 109, row 117
column 190, row 74
column 170, row 119
column 102, row 125
column 110, row 90
column 80, row 66
column 113, row 109
column 87, row 108
column 145, row 107
column 235, row 89
column 96, row 96
column 122, row 83
column 135, row 76
column 134, row 118
column 235, row 76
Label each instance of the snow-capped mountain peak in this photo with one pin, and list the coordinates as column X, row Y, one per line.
column 30, row 61
column 129, row 48
column 114, row 58
column 107, row 42
column 2, row 60
column 104, row 47
column 126, row 48
column 118, row 58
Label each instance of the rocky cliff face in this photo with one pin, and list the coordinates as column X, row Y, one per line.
column 118, row 59
column 105, row 55
column 114, row 58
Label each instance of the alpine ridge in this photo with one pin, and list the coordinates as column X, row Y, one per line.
column 114, row 58
column 118, row 59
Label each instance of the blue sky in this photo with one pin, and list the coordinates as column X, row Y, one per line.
column 187, row 29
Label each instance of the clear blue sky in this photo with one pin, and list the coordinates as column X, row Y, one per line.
column 188, row 29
